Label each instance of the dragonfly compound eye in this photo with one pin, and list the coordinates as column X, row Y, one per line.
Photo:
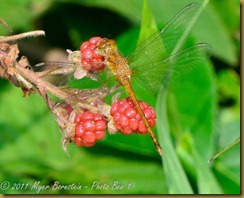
column 107, row 46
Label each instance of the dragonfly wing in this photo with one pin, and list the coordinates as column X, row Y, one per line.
column 84, row 99
column 56, row 73
column 162, row 43
column 160, row 74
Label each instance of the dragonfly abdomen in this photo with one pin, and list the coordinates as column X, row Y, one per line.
column 129, row 89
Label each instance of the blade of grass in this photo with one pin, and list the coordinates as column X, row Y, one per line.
column 174, row 172
column 224, row 150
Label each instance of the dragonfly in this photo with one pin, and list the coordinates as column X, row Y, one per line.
column 156, row 62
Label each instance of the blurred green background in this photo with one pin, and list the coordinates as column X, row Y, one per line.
column 201, row 117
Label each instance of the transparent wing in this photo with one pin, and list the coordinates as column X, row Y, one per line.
column 83, row 99
column 162, row 43
column 56, row 73
column 160, row 74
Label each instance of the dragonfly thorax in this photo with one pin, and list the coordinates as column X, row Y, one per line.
column 115, row 62
column 107, row 47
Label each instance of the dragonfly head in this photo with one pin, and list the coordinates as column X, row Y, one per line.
column 107, row 46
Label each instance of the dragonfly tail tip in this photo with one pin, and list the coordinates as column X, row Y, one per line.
column 160, row 151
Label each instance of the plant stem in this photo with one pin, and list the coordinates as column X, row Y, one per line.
column 22, row 35
column 46, row 86
column 33, row 78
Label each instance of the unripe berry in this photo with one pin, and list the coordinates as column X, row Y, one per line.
column 91, row 60
column 90, row 127
column 126, row 118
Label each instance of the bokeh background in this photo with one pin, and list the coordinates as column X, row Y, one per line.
column 202, row 115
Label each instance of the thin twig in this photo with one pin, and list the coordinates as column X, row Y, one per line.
column 5, row 25
column 22, row 35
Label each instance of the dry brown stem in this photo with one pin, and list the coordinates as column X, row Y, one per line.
column 19, row 72
column 21, row 36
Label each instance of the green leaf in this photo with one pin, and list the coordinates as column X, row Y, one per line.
column 227, row 166
column 226, row 16
column 206, row 181
column 16, row 14
column 198, row 170
column 227, row 170
column 229, row 93
column 148, row 24
column 130, row 9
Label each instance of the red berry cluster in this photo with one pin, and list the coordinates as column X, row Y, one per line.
column 91, row 59
column 90, row 127
column 127, row 119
